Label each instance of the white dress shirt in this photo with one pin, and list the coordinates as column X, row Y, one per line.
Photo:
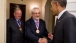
column 37, row 25
column 61, row 13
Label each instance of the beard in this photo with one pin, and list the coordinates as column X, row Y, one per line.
column 37, row 18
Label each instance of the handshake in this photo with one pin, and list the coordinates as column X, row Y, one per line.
column 50, row 36
column 44, row 40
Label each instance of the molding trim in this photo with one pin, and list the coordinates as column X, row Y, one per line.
column 71, row 2
column 72, row 10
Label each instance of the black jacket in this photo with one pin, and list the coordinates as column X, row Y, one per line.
column 65, row 29
column 14, row 35
column 32, row 36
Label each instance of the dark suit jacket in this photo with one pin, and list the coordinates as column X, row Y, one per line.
column 32, row 36
column 65, row 29
column 14, row 35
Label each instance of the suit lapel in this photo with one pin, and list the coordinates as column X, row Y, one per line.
column 60, row 19
column 22, row 25
column 40, row 27
column 15, row 23
column 63, row 15
column 33, row 25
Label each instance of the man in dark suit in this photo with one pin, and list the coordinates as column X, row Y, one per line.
column 65, row 28
column 15, row 28
column 36, row 28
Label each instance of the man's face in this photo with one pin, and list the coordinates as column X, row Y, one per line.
column 36, row 14
column 18, row 14
column 54, row 8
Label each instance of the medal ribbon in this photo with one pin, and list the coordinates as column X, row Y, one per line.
column 19, row 23
column 37, row 25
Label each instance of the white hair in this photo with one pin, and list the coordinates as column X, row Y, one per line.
column 17, row 8
column 34, row 9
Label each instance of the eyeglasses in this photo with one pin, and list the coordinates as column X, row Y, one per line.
column 36, row 13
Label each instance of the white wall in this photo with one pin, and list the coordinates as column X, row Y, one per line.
column 71, row 6
column 2, row 21
column 43, row 9
column 71, row 0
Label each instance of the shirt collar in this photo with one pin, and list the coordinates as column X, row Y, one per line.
column 36, row 21
column 61, row 13
column 16, row 20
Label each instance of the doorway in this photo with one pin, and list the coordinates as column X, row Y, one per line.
column 21, row 6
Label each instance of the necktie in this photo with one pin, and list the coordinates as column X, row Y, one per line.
column 37, row 24
column 19, row 23
column 56, row 21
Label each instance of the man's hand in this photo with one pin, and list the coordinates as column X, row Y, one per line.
column 39, row 40
column 42, row 40
column 50, row 36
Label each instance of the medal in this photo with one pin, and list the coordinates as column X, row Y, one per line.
column 19, row 24
column 20, row 29
column 37, row 31
column 37, row 27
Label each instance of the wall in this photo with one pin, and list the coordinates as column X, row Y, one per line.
column 2, row 21
column 28, row 4
column 43, row 9
column 71, row 6
column 48, row 16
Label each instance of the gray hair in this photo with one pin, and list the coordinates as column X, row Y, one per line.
column 34, row 9
column 17, row 8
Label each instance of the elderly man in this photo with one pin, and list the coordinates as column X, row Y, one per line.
column 65, row 29
column 15, row 28
column 36, row 28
